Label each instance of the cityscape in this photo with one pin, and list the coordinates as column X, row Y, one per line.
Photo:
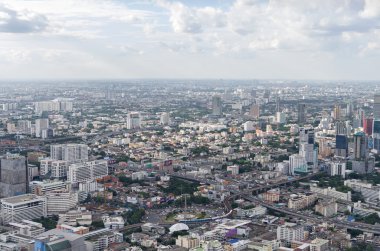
column 189, row 125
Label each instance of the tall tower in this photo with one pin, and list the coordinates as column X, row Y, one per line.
column 216, row 106
column 133, row 120
column 301, row 113
column 376, row 107
column 277, row 104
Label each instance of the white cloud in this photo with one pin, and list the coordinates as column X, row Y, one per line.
column 23, row 21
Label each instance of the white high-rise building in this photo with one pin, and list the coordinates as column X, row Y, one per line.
column 24, row 126
column 69, row 152
column 296, row 162
column 217, row 106
column 248, row 126
column 87, row 171
column 60, row 201
column 22, row 207
column 164, row 118
column 338, row 168
column 41, row 124
column 59, row 169
column 133, row 120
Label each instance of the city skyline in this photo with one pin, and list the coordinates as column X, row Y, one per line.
column 239, row 39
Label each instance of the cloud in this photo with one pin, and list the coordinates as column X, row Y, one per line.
column 371, row 9
column 12, row 21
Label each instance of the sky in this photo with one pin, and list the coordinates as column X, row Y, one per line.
column 221, row 39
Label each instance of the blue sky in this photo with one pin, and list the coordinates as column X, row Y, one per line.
column 274, row 39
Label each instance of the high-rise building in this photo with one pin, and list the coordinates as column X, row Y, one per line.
column 301, row 113
column 297, row 163
column 340, row 128
column 360, row 146
column 337, row 168
column 133, row 120
column 307, row 136
column 41, row 124
column 216, row 106
column 13, row 175
column 255, row 111
column 278, row 108
column 87, row 171
column 337, row 112
column 341, row 146
column 164, row 118
column 368, row 126
column 69, row 152
column 376, row 107
column 22, row 207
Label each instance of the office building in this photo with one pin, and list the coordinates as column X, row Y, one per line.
column 216, row 106
column 57, row 239
column 87, row 171
column 41, row 124
column 13, row 175
column 280, row 117
column 301, row 201
column 364, row 166
column 278, row 108
column 301, row 113
column 133, row 120
column 22, row 207
column 341, row 146
column 307, row 148
column 42, row 187
column 69, row 152
column 60, row 201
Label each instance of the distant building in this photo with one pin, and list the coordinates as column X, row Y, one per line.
column 272, row 195
column 301, row 113
column 216, row 106
column 13, row 175
column 41, row 124
column 255, row 111
column 360, row 146
column 341, row 146
column 60, row 201
column 133, row 120
column 368, row 126
column 164, row 118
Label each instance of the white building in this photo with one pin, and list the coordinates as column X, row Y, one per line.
column 133, row 120
column 338, row 168
column 59, row 169
column 296, row 162
column 113, row 222
column 164, row 118
column 22, row 207
column 43, row 187
column 290, row 232
column 249, row 126
column 60, row 201
column 87, row 171
column 234, row 170
column 69, row 152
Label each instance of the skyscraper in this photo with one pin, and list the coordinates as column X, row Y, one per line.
column 341, row 146
column 376, row 107
column 216, row 106
column 340, row 128
column 368, row 126
column 301, row 113
column 360, row 146
column 337, row 112
column 13, row 175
